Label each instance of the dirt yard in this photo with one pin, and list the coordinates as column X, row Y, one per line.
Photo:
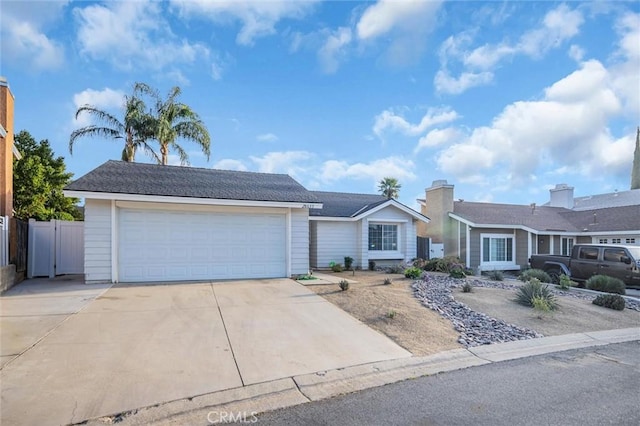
column 416, row 328
column 423, row 332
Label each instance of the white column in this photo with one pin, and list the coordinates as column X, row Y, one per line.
column 468, row 246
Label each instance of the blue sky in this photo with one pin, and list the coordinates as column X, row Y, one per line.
column 502, row 99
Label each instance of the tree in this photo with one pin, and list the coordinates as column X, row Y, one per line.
column 135, row 128
column 635, row 168
column 389, row 187
column 38, row 179
column 173, row 120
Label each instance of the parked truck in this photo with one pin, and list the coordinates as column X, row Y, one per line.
column 587, row 260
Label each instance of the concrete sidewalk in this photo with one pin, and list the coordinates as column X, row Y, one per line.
column 249, row 400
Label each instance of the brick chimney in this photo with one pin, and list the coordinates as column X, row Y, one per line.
column 7, row 149
column 561, row 196
column 438, row 203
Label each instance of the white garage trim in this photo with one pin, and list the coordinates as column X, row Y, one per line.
column 188, row 200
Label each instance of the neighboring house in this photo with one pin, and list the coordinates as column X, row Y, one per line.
column 362, row 226
column 488, row 236
column 146, row 222
column 8, row 150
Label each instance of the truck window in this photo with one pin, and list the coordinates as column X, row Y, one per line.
column 588, row 253
column 614, row 255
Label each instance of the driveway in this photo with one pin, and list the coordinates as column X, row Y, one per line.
column 113, row 349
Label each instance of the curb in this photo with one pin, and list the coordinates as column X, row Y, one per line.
column 245, row 402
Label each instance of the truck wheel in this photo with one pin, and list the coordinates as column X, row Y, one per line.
column 554, row 274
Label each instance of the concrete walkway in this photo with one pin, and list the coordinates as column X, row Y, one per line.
column 87, row 351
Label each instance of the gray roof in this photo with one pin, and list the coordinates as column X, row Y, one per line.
column 344, row 204
column 612, row 199
column 151, row 179
column 544, row 218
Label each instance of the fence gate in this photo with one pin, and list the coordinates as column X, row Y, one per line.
column 55, row 248
column 4, row 240
column 423, row 247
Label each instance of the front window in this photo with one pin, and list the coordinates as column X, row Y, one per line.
column 567, row 246
column 383, row 237
column 630, row 241
column 603, row 241
column 497, row 249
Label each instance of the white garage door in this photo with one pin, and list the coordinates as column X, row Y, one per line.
column 186, row 246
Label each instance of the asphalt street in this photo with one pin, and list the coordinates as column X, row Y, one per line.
column 591, row 386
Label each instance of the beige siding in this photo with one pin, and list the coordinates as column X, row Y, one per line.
column 299, row 241
column 97, row 240
column 335, row 240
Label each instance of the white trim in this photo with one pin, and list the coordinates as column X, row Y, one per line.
column 197, row 208
column 115, row 253
column 458, row 239
column 399, row 206
column 16, row 153
column 497, row 265
column 529, row 245
column 551, row 245
column 188, row 200
column 287, row 252
column 468, row 244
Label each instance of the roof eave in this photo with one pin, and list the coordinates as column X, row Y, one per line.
column 189, row 200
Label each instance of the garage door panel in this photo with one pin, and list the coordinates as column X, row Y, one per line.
column 177, row 246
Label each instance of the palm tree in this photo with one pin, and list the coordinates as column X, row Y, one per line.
column 135, row 129
column 389, row 187
column 173, row 120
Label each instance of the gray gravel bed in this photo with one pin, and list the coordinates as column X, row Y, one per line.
column 476, row 328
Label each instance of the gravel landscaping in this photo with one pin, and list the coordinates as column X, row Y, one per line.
column 476, row 328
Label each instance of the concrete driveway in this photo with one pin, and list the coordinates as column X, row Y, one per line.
column 129, row 346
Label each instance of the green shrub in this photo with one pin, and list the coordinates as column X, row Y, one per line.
column 496, row 276
column 372, row 265
column 412, row 272
column 533, row 290
column 457, row 272
column 305, row 277
column 348, row 261
column 606, row 284
column 344, row 285
column 541, row 304
column 387, row 281
column 336, row 267
column 539, row 274
column 467, row 288
column 391, row 314
column 565, row 282
column 611, row 301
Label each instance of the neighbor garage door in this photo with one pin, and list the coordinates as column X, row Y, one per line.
column 184, row 246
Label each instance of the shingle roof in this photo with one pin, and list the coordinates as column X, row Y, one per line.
column 623, row 218
column 343, row 204
column 544, row 218
column 612, row 199
column 150, row 179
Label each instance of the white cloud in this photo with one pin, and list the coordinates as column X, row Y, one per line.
column 438, row 137
column 557, row 26
column 624, row 72
column 398, row 167
column 132, row 35
column 569, row 125
column 292, row 163
column 230, row 164
column 332, row 50
column 267, row 137
column 576, row 52
column 445, row 83
column 23, row 37
column 106, row 99
column 402, row 27
column 391, row 121
column 257, row 18
column 387, row 15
